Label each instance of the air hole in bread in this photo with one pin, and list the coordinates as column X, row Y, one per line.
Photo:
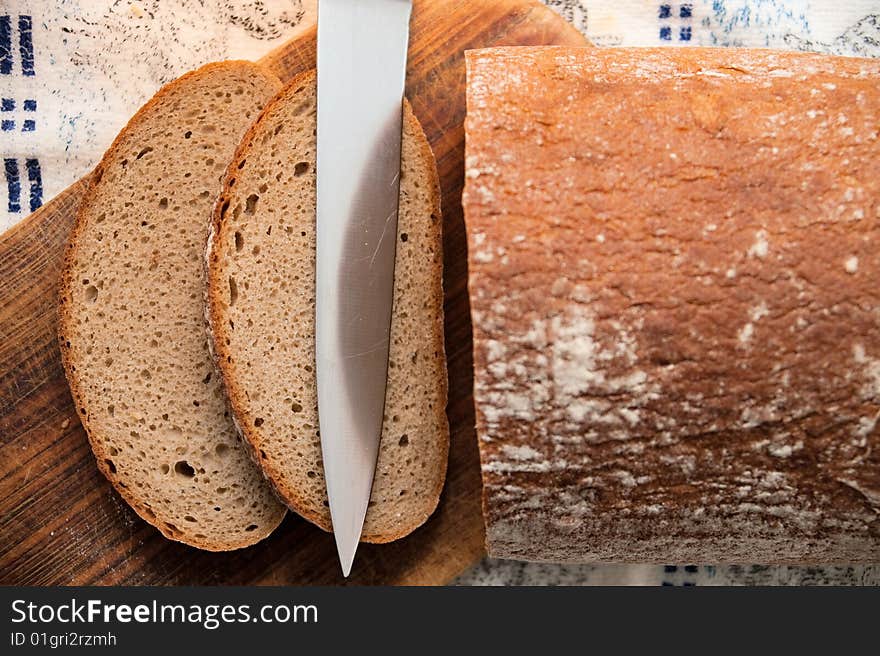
column 183, row 468
column 223, row 208
column 301, row 168
column 296, row 407
column 163, row 203
column 164, row 468
column 252, row 527
column 233, row 291
column 189, row 518
column 404, row 440
column 258, row 422
column 221, row 450
column 251, row 204
column 404, row 237
column 91, row 294
column 110, row 465
column 187, row 134
column 144, row 151
column 207, row 378
column 239, row 241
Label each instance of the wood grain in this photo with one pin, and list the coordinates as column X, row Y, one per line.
column 60, row 520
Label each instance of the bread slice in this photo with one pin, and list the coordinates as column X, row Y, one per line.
column 132, row 324
column 261, row 282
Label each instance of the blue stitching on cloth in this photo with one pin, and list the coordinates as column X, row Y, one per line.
column 13, row 185
column 5, row 45
column 36, row 179
column 685, row 14
column 26, row 45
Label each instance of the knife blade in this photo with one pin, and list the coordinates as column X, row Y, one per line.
column 362, row 48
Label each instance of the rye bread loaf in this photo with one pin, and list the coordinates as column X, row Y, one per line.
column 261, row 280
column 675, row 291
column 132, row 325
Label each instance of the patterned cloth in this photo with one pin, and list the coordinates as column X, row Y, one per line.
column 72, row 72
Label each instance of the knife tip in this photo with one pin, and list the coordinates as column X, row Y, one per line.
column 346, row 550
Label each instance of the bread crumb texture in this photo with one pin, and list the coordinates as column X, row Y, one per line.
column 674, row 290
column 262, row 307
column 132, row 325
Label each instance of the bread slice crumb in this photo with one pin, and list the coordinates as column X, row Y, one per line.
column 261, row 284
column 132, row 325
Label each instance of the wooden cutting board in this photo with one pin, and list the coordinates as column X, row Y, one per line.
column 60, row 520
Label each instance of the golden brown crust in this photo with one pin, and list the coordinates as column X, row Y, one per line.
column 65, row 288
column 673, row 281
column 292, row 496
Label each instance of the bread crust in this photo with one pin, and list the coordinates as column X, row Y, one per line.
column 675, row 307
column 294, row 498
column 68, row 356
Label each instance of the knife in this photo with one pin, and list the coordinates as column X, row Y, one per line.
column 362, row 47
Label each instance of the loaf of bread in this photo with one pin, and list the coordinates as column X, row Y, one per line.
column 261, row 301
column 132, row 323
column 675, row 288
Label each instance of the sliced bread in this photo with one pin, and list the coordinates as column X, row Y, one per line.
column 132, row 324
column 261, row 279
